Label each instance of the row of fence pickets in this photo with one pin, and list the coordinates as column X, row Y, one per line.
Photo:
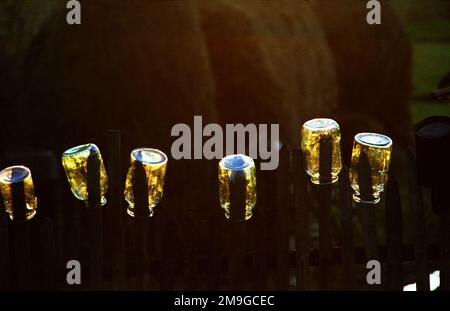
column 300, row 237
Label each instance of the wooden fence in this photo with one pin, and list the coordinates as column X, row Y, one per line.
column 301, row 236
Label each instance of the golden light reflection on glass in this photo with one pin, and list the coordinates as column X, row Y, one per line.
column 14, row 175
column 378, row 150
column 154, row 163
column 75, row 165
column 313, row 131
column 234, row 169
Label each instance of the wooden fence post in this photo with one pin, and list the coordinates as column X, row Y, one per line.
column 258, row 236
column 140, row 193
column 215, row 230
column 348, row 255
column 94, row 223
column 48, row 255
column 283, row 209
column 236, row 259
column 190, row 251
column 325, row 217
column 367, row 210
column 418, row 223
column 170, row 253
column 4, row 246
column 237, row 237
column 394, row 234
column 116, row 224
column 21, row 237
column 301, row 210
column 444, row 238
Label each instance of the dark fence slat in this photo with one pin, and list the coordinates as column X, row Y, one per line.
column 48, row 255
column 236, row 228
column 418, row 223
column 300, row 221
column 236, row 259
column 371, row 245
column 72, row 234
column 214, row 232
column 348, row 257
column 21, row 254
column 59, row 211
column 4, row 246
column 325, row 239
column 394, row 236
column 21, row 237
column 259, row 238
column 170, row 240
column 94, row 223
column 282, row 219
column 325, row 217
column 367, row 210
column 266, row 243
column 140, row 193
column 237, row 233
column 444, row 238
column 141, row 259
column 117, row 213
column 190, row 235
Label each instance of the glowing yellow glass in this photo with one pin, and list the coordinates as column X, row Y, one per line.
column 154, row 163
column 75, row 162
column 378, row 149
column 313, row 131
column 14, row 175
column 232, row 169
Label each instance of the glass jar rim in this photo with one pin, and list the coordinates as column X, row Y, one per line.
column 321, row 124
column 236, row 162
column 23, row 172
column 382, row 142
column 80, row 149
column 150, row 156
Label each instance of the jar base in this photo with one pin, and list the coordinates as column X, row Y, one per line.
column 132, row 214
column 103, row 201
column 318, row 181
column 358, row 200
column 27, row 216
column 247, row 217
